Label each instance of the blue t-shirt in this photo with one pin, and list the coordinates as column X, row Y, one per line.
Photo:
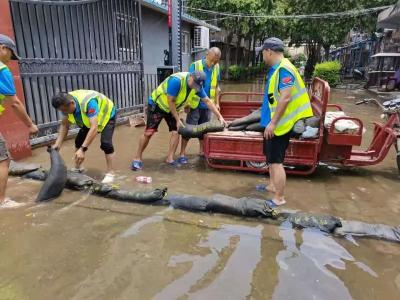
column 92, row 111
column 286, row 79
column 174, row 86
column 7, row 86
column 207, row 82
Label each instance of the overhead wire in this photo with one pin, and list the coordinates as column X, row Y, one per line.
column 349, row 13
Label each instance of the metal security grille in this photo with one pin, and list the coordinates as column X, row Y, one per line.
column 69, row 45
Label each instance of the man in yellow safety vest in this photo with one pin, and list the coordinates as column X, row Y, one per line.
column 93, row 113
column 285, row 102
column 201, row 114
column 167, row 100
column 8, row 52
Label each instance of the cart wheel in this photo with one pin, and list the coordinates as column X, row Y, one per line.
column 257, row 164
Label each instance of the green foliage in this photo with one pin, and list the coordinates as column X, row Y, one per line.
column 240, row 73
column 287, row 55
column 299, row 60
column 329, row 71
column 236, row 72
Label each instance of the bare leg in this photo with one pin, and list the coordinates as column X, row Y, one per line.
column 173, row 144
column 144, row 141
column 184, row 143
column 3, row 178
column 271, row 185
column 110, row 163
column 279, row 181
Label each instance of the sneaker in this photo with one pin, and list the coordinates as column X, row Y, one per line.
column 174, row 164
column 8, row 203
column 183, row 160
column 108, row 178
column 136, row 165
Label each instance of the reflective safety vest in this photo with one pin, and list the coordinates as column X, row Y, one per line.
column 198, row 66
column 2, row 97
column 159, row 95
column 299, row 106
column 105, row 107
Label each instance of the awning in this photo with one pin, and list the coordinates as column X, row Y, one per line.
column 390, row 17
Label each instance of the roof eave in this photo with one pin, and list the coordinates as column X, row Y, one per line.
column 187, row 18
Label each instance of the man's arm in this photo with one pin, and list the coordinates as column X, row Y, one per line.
column 280, row 110
column 92, row 132
column 211, row 106
column 80, row 154
column 217, row 92
column 21, row 113
column 174, row 112
column 62, row 133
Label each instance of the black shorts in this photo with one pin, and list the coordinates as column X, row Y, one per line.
column 154, row 117
column 106, row 143
column 275, row 148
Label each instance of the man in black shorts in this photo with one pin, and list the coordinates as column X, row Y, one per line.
column 94, row 114
column 166, row 101
column 285, row 102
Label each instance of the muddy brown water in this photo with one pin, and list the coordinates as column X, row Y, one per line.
column 84, row 247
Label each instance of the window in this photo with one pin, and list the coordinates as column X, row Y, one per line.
column 127, row 32
column 185, row 42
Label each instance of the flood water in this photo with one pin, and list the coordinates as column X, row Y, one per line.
column 84, row 247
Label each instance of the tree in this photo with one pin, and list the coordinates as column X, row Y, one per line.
column 323, row 33
column 247, row 28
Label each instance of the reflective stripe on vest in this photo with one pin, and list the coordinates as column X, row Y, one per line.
column 198, row 66
column 159, row 95
column 299, row 106
column 2, row 97
column 105, row 107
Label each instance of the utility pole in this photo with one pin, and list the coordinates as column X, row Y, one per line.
column 170, row 32
column 175, row 37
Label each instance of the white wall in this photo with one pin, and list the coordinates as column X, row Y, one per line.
column 155, row 40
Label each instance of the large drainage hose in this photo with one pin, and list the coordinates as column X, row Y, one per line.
column 197, row 131
column 246, row 207
column 55, row 180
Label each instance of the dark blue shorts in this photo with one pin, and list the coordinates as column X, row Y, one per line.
column 198, row 116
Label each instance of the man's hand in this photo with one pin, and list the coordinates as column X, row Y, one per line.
column 56, row 146
column 33, row 129
column 269, row 131
column 179, row 123
column 79, row 156
column 223, row 122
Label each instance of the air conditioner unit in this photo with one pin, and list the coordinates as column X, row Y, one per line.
column 201, row 37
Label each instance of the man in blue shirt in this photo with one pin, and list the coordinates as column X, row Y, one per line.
column 201, row 114
column 165, row 103
column 8, row 52
column 275, row 146
column 93, row 113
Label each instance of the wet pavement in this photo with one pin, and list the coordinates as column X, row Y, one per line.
column 84, row 247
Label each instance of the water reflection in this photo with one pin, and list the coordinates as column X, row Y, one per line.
column 235, row 251
column 308, row 270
